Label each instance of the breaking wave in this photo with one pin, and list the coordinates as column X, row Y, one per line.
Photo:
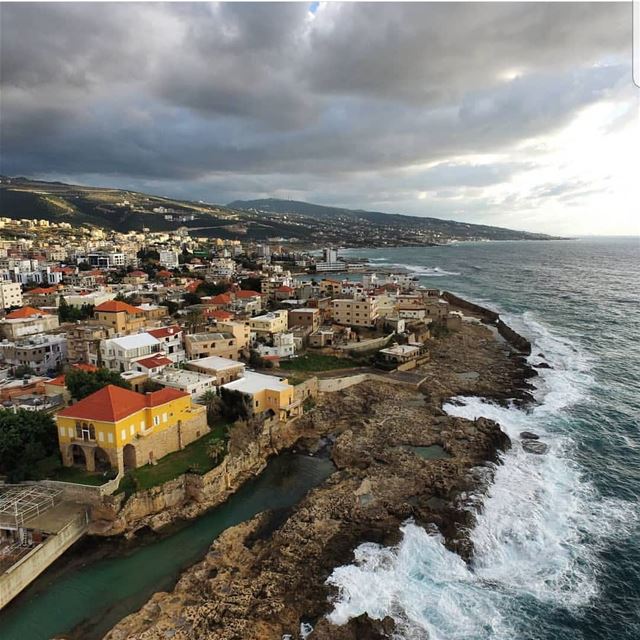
column 536, row 542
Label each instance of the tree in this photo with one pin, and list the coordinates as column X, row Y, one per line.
column 23, row 370
column 194, row 321
column 234, row 404
column 68, row 313
column 83, row 383
column 251, row 284
column 216, row 449
column 211, row 400
column 191, row 298
column 26, row 438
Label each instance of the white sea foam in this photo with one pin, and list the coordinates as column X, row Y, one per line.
column 536, row 538
column 433, row 272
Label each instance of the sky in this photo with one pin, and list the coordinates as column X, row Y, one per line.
column 518, row 115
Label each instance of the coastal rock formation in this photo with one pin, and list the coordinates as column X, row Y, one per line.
column 263, row 578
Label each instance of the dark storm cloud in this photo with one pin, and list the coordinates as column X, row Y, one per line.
column 213, row 99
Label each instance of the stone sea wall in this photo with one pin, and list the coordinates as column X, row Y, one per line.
column 517, row 341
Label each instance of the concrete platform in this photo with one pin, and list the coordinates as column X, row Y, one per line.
column 55, row 518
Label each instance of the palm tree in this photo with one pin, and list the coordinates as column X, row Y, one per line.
column 216, row 449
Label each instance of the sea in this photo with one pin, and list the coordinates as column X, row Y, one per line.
column 557, row 544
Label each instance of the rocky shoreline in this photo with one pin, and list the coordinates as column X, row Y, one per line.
column 263, row 578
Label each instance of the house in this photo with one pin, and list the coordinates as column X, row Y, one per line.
column 412, row 311
column 192, row 382
column 120, row 316
column 136, row 277
column 307, row 317
column 171, row 339
column 241, row 331
column 222, row 369
column 202, row 345
column 83, row 339
column 401, row 353
column 94, row 298
column 153, row 312
column 118, row 354
column 282, row 345
column 270, row 323
column 27, row 321
column 121, row 429
column 58, row 385
column 249, row 302
column 284, row 292
column 151, row 365
column 268, row 396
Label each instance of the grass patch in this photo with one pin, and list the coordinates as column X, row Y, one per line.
column 78, row 476
column 316, row 362
column 194, row 457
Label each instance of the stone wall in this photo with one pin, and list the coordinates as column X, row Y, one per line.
column 330, row 385
column 306, row 389
column 517, row 341
column 157, row 445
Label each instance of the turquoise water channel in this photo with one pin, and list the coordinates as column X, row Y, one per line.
column 88, row 600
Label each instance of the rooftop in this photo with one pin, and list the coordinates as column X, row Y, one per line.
column 253, row 382
column 135, row 341
column 24, row 313
column 216, row 363
column 111, row 403
column 116, row 306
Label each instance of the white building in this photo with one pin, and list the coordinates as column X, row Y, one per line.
column 118, row 354
column 192, row 382
column 283, row 346
column 169, row 259
column 171, row 340
column 10, row 295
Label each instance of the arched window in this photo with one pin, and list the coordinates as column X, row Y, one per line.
column 79, row 430
column 92, row 432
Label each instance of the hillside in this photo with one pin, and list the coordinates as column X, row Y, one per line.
column 448, row 228
column 299, row 223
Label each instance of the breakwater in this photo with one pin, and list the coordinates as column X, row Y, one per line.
column 518, row 342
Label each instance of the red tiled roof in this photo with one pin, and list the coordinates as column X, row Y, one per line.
column 154, row 361
column 285, row 289
column 112, row 403
column 221, row 298
column 218, row 314
column 137, row 273
column 164, row 274
column 243, row 293
column 165, row 332
column 115, row 306
column 25, row 312
column 156, row 398
column 42, row 290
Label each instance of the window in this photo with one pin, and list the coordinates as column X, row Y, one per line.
column 123, row 434
column 110, row 437
column 141, row 425
column 132, row 429
column 156, row 420
column 164, row 417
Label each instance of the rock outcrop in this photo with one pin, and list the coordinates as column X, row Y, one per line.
column 261, row 581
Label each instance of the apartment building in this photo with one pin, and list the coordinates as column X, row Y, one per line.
column 270, row 323
column 203, row 345
column 222, row 369
column 41, row 353
column 10, row 295
column 357, row 312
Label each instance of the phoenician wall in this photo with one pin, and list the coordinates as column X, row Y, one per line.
column 517, row 341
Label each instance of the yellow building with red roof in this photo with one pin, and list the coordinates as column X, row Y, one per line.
column 120, row 429
column 119, row 316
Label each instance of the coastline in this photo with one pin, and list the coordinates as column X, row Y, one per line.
column 379, row 484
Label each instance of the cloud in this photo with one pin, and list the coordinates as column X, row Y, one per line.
column 350, row 103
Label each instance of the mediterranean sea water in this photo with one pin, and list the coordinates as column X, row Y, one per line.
column 557, row 546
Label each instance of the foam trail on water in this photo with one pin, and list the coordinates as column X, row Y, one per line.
column 536, row 539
